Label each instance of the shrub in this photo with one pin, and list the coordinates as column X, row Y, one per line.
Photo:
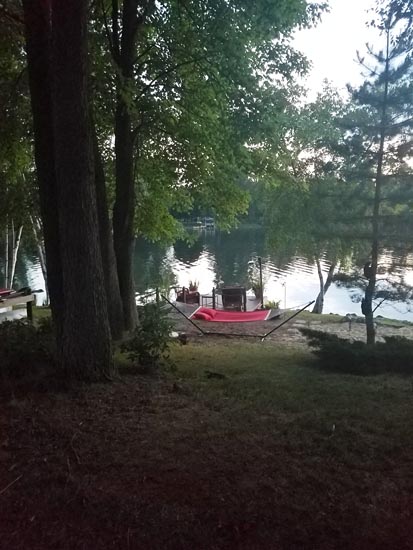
column 23, row 346
column 151, row 338
column 272, row 304
column 340, row 355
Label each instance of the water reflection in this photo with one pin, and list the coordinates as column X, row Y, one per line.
column 290, row 274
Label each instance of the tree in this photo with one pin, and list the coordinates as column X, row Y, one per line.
column 383, row 138
column 64, row 159
column 15, row 147
column 302, row 193
column 194, row 83
column 38, row 37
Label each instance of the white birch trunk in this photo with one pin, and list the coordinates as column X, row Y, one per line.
column 15, row 252
column 37, row 231
column 319, row 303
column 6, row 257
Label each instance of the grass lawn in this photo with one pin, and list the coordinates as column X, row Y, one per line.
column 243, row 445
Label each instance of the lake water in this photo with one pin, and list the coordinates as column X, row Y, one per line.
column 215, row 257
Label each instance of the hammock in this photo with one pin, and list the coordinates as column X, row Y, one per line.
column 244, row 317
column 219, row 316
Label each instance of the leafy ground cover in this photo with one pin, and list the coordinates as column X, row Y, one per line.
column 242, row 445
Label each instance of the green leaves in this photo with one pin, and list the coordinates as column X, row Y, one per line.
column 210, row 83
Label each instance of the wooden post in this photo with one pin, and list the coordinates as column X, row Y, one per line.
column 213, row 298
column 29, row 310
column 261, row 287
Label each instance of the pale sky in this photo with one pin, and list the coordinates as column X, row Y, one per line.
column 332, row 45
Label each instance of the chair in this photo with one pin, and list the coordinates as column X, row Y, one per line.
column 188, row 296
column 234, row 297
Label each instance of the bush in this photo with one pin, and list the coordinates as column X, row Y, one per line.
column 272, row 304
column 151, row 339
column 23, row 346
column 395, row 355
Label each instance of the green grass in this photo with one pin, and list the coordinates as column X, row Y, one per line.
column 327, row 318
column 41, row 312
column 320, row 413
column 319, row 459
column 323, row 318
column 272, row 454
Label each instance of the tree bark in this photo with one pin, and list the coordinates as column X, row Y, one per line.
column 371, row 287
column 6, row 255
column 124, row 213
column 37, row 18
column 15, row 252
column 319, row 303
column 37, row 232
column 110, row 273
column 324, row 286
column 124, row 207
column 85, row 343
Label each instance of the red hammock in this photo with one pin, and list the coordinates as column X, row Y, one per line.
column 219, row 316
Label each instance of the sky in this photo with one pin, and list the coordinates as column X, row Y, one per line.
column 331, row 46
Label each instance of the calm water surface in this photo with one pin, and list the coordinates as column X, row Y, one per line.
column 215, row 257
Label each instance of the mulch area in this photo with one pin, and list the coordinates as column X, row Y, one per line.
column 251, row 331
column 147, row 463
column 289, row 334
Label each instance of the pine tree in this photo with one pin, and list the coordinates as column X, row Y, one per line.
column 381, row 140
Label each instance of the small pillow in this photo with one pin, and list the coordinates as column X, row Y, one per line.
column 202, row 316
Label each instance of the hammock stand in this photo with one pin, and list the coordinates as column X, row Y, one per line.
column 262, row 337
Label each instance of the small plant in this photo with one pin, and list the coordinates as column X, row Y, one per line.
column 272, row 304
column 151, row 339
column 193, row 286
column 254, row 280
column 256, row 288
column 23, row 346
column 395, row 355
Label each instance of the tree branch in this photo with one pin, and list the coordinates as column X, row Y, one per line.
column 166, row 72
column 115, row 30
column 107, row 31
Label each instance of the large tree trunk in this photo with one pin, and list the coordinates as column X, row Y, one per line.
column 85, row 344
column 110, row 273
column 124, row 207
column 124, row 213
column 37, row 17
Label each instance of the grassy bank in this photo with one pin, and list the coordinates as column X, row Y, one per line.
column 243, row 446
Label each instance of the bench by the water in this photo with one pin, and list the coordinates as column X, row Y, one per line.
column 7, row 305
